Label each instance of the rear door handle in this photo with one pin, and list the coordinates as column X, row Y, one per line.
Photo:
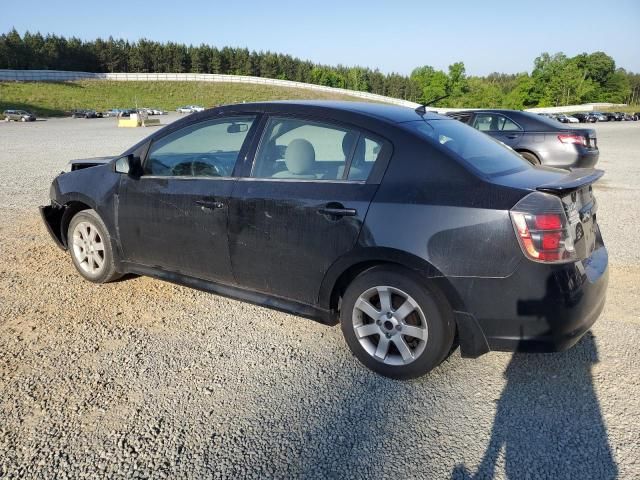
column 210, row 204
column 338, row 212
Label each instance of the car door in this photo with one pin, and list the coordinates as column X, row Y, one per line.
column 499, row 127
column 302, row 205
column 174, row 216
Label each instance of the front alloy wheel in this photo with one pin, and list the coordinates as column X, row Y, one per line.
column 90, row 247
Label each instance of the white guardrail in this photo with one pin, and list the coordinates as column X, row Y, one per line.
column 63, row 76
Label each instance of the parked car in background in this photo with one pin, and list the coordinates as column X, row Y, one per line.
column 18, row 116
column 614, row 116
column 600, row 117
column 538, row 139
column 563, row 118
column 83, row 113
column 585, row 117
column 190, row 109
column 636, row 116
column 153, row 111
column 497, row 255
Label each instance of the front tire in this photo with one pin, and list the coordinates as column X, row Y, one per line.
column 395, row 325
column 89, row 244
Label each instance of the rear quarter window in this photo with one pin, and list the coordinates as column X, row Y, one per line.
column 478, row 150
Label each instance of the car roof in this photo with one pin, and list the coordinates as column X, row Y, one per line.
column 527, row 120
column 385, row 112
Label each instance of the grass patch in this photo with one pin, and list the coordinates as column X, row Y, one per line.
column 50, row 99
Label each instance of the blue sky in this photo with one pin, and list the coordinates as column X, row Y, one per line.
column 487, row 35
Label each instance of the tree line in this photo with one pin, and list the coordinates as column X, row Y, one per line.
column 555, row 79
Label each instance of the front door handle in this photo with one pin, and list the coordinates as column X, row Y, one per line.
column 338, row 211
column 210, row 204
column 512, row 136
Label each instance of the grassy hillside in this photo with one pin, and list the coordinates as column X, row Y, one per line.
column 54, row 99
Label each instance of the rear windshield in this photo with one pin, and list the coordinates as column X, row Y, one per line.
column 484, row 154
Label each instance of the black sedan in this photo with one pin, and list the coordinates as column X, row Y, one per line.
column 538, row 139
column 413, row 231
column 585, row 117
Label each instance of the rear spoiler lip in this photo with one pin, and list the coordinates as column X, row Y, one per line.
column 579, row 177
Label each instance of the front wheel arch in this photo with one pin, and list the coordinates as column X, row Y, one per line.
column 70, row 211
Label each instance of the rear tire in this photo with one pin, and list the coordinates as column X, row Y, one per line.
column 89, row 244
column 530, row 157
column 395, row 325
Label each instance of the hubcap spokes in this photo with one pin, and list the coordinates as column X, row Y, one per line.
column 88, row 248
column 390, row 325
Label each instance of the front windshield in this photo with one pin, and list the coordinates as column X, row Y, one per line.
column 477, row 149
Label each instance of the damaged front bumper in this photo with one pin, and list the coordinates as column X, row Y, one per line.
column 52, row 217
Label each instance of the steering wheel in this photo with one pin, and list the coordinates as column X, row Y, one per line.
column 203, row 169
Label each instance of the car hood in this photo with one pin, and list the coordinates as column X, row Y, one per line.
column 88, row 162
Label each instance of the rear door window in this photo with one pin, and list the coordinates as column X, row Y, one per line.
column 302, row 149
column 494, row 122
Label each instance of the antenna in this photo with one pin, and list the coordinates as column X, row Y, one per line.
column 422, row 109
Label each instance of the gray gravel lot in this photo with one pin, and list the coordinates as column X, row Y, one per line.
column 144, row 379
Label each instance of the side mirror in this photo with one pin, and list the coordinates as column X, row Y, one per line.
column 128, row 164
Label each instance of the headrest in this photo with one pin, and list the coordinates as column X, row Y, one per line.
column 299, row 156
column 347, row 146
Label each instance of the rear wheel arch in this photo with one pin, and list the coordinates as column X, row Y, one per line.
column 342, row 273
column 530, row 156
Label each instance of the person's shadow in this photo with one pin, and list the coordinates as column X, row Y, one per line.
column 548, row 422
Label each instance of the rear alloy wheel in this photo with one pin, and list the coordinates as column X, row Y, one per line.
column 530, row 157
column 393, row 324
column 90, row 247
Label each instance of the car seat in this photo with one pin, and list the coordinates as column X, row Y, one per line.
column 300, row 160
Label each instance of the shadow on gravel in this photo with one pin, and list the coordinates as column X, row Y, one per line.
column 548, row 422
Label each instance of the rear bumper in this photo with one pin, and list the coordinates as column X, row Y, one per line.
column 572, row 157
column 540, row 308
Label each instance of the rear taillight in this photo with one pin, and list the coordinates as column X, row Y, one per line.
column 574, row 139
column 542, row 229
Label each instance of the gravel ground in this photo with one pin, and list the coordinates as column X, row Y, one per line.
column 144, row 379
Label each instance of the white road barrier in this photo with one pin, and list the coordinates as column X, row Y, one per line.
column 64, row 76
